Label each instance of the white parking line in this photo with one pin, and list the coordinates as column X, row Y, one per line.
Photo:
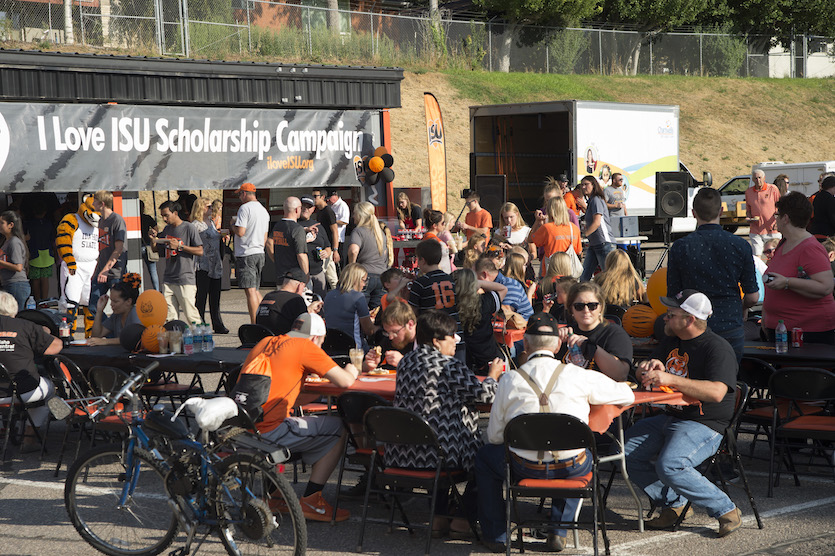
column 98, row 491
column 631, row 546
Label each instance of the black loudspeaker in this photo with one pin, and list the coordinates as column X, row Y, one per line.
column 671, row 193
column 492, row 188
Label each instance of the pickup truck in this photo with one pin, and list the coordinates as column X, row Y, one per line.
column 733, row 202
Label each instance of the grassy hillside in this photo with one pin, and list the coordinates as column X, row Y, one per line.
column 726, row 124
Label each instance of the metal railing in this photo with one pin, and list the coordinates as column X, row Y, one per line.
column 297, row 33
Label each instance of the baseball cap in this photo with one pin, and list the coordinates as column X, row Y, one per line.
column 562, row 177
column 332, row 192
column 307, row 325
column 542, row 324
column 248, row 187
column 691, row 301
column 308, row 200
column 296, row 274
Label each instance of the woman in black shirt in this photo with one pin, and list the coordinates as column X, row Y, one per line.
column 475, row 311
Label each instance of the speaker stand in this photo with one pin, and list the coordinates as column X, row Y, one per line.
column 666, row 227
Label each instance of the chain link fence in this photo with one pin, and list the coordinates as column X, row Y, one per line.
column 305, row 33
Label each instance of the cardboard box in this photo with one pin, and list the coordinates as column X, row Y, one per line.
column 624, row 226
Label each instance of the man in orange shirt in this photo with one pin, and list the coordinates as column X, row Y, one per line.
column 761, row 204
column 478, row 219
column 270, row 381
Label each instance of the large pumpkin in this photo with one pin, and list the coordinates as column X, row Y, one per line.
column 656, row 289
column 638, row 321
column 151, row 307
column 150, row 339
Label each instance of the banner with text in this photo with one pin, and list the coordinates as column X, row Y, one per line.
column 70, row 147
column 437, row 152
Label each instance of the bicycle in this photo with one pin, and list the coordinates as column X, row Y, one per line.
column 132, row 498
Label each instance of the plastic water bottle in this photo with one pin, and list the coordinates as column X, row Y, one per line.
column 196, row 337
column 575, row 356
column 64, row 330
column 30, row 303
column 781, row 335
column 208, row 339
column 188, row 341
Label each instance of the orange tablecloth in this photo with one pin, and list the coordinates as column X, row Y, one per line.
column 600, row 416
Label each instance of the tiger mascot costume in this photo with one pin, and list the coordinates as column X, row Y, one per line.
column 78, row 248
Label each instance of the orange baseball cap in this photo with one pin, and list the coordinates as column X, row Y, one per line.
column 246, row 187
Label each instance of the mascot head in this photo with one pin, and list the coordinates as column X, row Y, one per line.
column 87, row 213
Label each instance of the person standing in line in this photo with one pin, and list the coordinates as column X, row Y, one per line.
column 318, row 246
column 288, row 245
column 112, row 254
column 205, row 217
column 14, row 258
column 250, row 227
column 368, row 245
column 718, row 263
column 598, row 231
column 148, row 222
column 181, row 243
column 343, row 217
column 616, row 196
column 822, row 224
column 477, row 219
column 761, row 202
column 329, row 227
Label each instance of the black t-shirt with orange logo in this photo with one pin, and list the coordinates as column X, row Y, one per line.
column 705, row 357
column 288, row 242
column 21, row 341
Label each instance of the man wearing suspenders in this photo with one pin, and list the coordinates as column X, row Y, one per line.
column 542, row 385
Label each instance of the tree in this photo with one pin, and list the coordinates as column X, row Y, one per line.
column 652, row 17
column 517, row 13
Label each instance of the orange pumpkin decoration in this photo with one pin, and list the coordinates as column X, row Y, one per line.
column 151, row 307
column 656, row 289
column 149, row 338
column 639, row 321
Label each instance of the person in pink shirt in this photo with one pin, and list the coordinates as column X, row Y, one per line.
column 760, row 200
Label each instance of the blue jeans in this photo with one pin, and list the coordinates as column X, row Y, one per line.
column 735, row 337
column 662, row 453
column 152, row 268
column 373, row 290
column 20, row 291
column 490, row 475
column 595, row 255
column 98, row 289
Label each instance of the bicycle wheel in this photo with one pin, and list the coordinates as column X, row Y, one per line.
column 144, row 525
column 257, row 508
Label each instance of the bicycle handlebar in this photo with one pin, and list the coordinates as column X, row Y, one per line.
column 113, row 398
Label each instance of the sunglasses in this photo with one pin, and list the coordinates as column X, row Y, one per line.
column 592, row 306
column 767, row 251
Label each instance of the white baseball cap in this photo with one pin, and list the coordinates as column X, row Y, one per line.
column 307, row 325
column 691, row 301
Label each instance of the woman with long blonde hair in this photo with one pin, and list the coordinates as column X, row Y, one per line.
column 409, row 214
column 512, row 218
column 475, row 312
column 205, row 217
column 620, row 283
column 370, row 245
column 476, row 245
column 554, row 232
column 345, row 307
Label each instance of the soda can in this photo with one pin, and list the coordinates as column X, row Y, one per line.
column 797, row 337
column 508, row 230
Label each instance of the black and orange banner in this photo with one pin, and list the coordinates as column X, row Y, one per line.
column 437, row 152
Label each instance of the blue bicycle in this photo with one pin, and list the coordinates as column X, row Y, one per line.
column 132, row 498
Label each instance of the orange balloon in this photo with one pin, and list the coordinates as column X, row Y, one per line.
column 656, row 289
column 151, row 307
column 375, row 164
column 149, row 338
column 380, row 151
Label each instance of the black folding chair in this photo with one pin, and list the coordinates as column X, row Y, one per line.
column 41, row 318
column 356, row 455
column 18, row 412
column 756, row 417
column 251, row 334
column 550, row 432
column 800, row 388
column 728, row 451
column 395, row 425
column 338, row 344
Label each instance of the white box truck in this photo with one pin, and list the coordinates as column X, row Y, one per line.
column 527, row 142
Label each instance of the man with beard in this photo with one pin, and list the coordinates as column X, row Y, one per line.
column 395, row 339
